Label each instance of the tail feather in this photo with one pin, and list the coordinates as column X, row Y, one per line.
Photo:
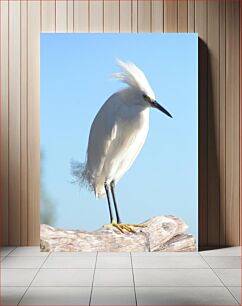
column 84, row 179
column 81, row 175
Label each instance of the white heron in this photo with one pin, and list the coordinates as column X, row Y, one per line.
column 117, row 134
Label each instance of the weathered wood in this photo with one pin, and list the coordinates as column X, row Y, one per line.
column 162, row 233
column 96, row 16
column 4, row 121
column 33, row 122
column 213, row 123
column 70, row 16
column 157, row 16
column 170, row 16
column 182, row 15
column 111, row 18
column 232, row 123
column 125, row 12
column 201, row 28
column 222, row 122
column 24, row 124
column 144, row 16
column 14, row 123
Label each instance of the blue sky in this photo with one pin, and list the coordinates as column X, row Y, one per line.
column 76, row 80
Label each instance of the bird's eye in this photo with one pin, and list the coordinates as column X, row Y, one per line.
column 146, row 98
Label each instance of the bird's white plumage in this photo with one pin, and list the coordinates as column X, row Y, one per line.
column 118, row 131
column 134, row 77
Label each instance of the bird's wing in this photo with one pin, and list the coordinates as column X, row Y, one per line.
column 102, row 134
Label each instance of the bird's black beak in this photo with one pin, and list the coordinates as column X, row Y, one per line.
column 161, row 108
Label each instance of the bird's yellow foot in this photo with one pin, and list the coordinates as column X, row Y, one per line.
column 122, row 227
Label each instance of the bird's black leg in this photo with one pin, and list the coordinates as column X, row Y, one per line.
column 109, row 204
column 114, row 202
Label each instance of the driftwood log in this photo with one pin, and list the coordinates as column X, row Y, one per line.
column 162, row 233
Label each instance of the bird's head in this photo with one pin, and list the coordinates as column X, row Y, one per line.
column 138, row 84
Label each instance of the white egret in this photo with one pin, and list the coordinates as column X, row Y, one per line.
column 117, row 135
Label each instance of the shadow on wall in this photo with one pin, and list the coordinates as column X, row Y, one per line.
column 47, row 204
column 210, row 224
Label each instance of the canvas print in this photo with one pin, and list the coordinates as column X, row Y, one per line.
column 119, row 142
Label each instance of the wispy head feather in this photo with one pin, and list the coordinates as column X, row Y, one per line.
column 134, row 77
